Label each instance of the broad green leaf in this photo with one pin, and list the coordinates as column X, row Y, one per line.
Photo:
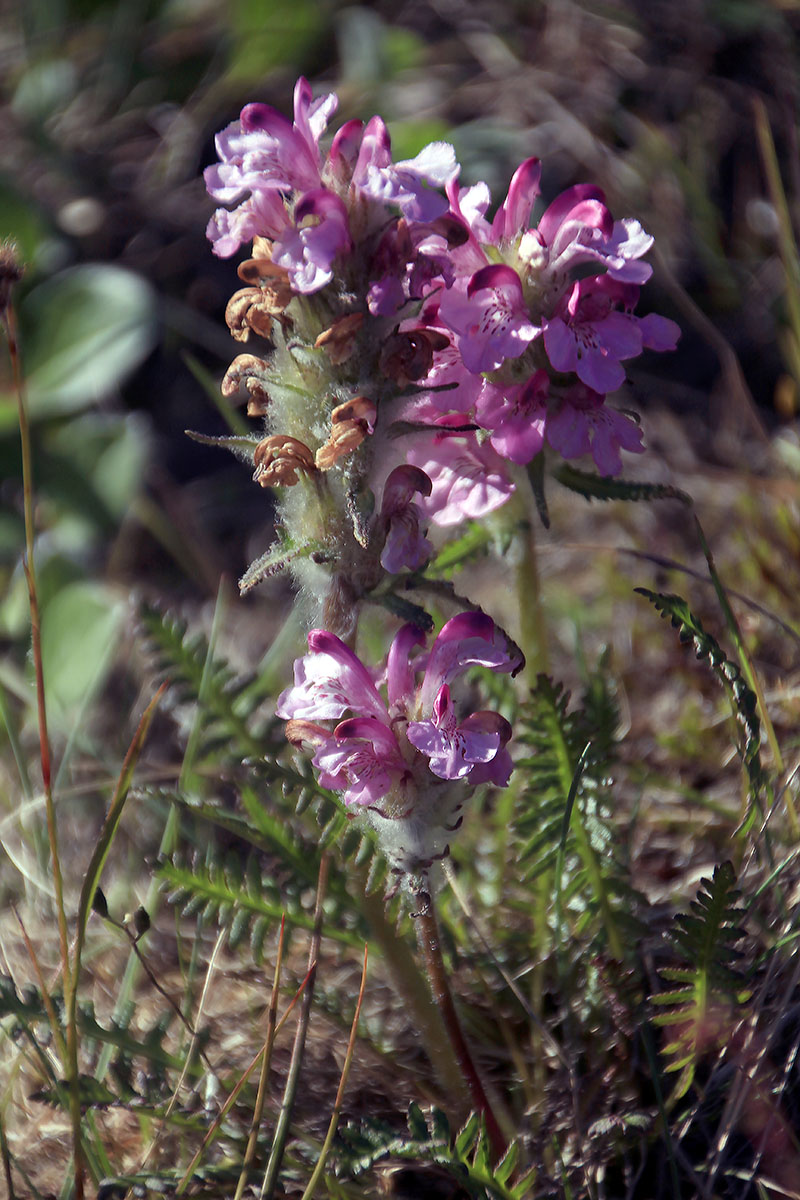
column 83, row 332
column 79, row 626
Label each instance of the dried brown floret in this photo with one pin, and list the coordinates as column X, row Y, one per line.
column 339, row 340
column 249, row 370
column 279, row 458
column 351, row 423
column 248, row 312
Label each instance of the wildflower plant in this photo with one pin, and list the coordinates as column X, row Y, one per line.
column 423, row 354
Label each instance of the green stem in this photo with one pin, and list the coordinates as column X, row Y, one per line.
column 533, row 635
column 430, row 948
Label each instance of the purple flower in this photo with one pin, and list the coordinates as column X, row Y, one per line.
column 453, row 749
column 516, row 416
column 583, row 423
column 406, row 544
column 263, row 150
column 490, row 318
column 263, row 215
column 391, row 748
column 589, row 336
column 319, row 234
column 402, row 184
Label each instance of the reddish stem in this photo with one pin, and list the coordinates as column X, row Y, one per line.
column 428, row 939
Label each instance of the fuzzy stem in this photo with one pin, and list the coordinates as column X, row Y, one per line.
column 428, row 941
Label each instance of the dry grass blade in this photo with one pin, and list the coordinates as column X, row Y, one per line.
column 258, row 1110
column 229, row 1103
column 337, row 1107
column 292, row 1079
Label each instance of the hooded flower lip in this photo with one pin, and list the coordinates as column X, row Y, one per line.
column 328, row 682
column 363, row 756
column 263, row 150
column 406, row 544
column 490, row 319
column 514, row 214
column 308, row 247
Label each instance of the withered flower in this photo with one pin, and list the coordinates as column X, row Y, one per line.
column 407, row 357
column 278, row 459
column 351, row 423
column 249, row 370
column 247, row 312
column 339, row 340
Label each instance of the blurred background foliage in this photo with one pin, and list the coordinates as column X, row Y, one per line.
column 109, row 108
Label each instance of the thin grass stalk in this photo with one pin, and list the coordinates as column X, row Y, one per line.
column 293, row 1077
column 231, row 1100
column 167, row 845
column 787, row 245
column 431, row 950
column 10, row 272
column 55, row 1025
column 337, row 1106
column 263, row 1082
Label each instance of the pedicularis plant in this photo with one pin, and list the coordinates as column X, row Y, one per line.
column 425, row 359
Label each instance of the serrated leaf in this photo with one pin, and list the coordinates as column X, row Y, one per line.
column 603, row 487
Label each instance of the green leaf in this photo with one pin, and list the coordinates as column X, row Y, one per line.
column 705, row 939
column 603, row 487
column 82, row 333
column 743, row 701
column 80, row 624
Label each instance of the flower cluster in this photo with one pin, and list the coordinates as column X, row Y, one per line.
column 422, row 354
column 398, row 755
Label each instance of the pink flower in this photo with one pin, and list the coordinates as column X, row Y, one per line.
column 455, row 750
column 589, row 335
column 402, row 184
column 516, row 416
column 583, row 423
column 262, row 150
column 469, row 479
column 489, row 318
column 363, row 756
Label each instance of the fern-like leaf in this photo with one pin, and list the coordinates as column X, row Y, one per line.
column 709, row 985
column 466, row 1157
column 564, row 828
column 601, row 487
column 239, row 896
column 183, row 658
column 743, row 701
